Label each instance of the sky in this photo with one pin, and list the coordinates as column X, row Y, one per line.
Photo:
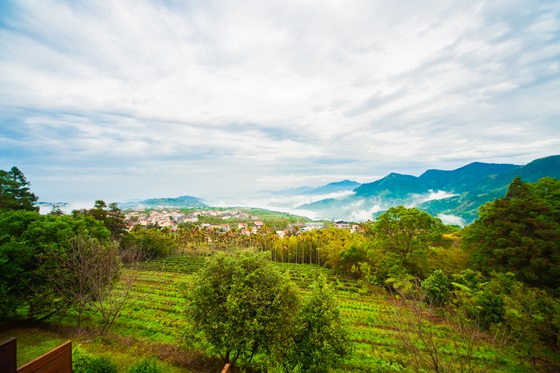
column 133, row 99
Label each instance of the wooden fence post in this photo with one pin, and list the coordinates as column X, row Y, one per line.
column 8, row 357
column 226, row 369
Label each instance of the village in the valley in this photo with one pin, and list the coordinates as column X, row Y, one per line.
column 237, row 220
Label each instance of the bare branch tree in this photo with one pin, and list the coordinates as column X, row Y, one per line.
column 418, row 328
column 89, row 275
column 113, row 285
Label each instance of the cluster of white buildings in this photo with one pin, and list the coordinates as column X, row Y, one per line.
column 171, row 218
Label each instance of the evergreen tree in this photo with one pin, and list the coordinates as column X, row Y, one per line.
column 519, row 233
column 14, row 191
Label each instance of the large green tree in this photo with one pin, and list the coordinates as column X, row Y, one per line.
column 14, row 191
column 243, row 306
column 31, row 246
column 519, row 233
column 407, row 234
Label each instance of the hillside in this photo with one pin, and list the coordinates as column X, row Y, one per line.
column 491, row 187
column 392, row 186
column 463, row 178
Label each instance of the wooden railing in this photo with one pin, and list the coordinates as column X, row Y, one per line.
column 226, row 369
column 58, row 360
column 8, row 356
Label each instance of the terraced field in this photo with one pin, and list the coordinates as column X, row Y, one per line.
column 158, row 314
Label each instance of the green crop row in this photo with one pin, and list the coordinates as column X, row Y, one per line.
column 156, row 314
column 369, row 317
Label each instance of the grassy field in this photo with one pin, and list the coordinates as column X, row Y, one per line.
column 151, row 326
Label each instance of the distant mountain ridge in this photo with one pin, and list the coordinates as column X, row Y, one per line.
column 397, row 186
column 457, row 193
column 176, row 202
column 335, row 187
column 392, row 186
column 462, row 178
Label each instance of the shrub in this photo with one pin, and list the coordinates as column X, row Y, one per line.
column 82, row 362
column 146, row 366
column 321, row 341
column 437, row 288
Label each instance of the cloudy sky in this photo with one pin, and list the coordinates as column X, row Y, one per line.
column 121, row 100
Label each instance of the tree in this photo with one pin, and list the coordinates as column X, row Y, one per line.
column 14, row 191
column 408, row 234
column 419, row 336
column 115, row 221
column 519, row 233
column 242, row 305
column 111, row 216
column 152, row 242
column 86, row 274
column 110, row 285
column 17, row 262
column 31, row 246
column 321, row 341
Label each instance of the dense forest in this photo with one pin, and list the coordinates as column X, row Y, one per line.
column 493, row 285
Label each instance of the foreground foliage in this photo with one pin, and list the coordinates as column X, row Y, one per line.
column 242, row 305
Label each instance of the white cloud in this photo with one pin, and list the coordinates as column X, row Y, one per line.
column 452, row 220
column 279, row 93
column 364, row 214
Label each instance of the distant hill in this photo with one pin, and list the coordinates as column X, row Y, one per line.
column 177, row 202
column 335, row 187
column 392, row 186
column 455, row 194
column 293, row 191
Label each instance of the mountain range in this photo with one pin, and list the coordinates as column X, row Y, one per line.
column 455, row 196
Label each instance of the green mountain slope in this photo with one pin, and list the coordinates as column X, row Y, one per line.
column 471, row 186
column 531, row 172
column 392, row 186
column 463, row 178
column 466, row 204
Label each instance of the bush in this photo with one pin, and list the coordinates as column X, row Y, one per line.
column 146, row 366
column 82, row 362
column 321, row 341
column 437, row 288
